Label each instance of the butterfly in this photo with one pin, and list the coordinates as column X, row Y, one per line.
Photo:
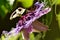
column 18, row 12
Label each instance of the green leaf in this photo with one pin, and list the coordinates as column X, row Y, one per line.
column 38, row 37
column 55, row 2
column 26, row 3
column 32, row 36
column 20, row 36
column 46, row 19
column 58, row 2
column 5, row 7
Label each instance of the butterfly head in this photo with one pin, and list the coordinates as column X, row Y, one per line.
column 17, row 13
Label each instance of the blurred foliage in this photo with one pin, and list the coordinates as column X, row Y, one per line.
column 5, row 7
column 51, row 19
column 32, row 36
column 58, row 19
column 19, row 36
column 26, row 3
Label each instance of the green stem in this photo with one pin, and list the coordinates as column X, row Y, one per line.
column 55, row 9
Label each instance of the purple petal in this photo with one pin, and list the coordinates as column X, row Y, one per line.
column 37, row 4
column 13, row 32
column 25, row 35
column 43, row 12
column 39, row 26
column 37, row 14
column 29, row 29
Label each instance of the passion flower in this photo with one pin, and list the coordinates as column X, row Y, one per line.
column 28, row 23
